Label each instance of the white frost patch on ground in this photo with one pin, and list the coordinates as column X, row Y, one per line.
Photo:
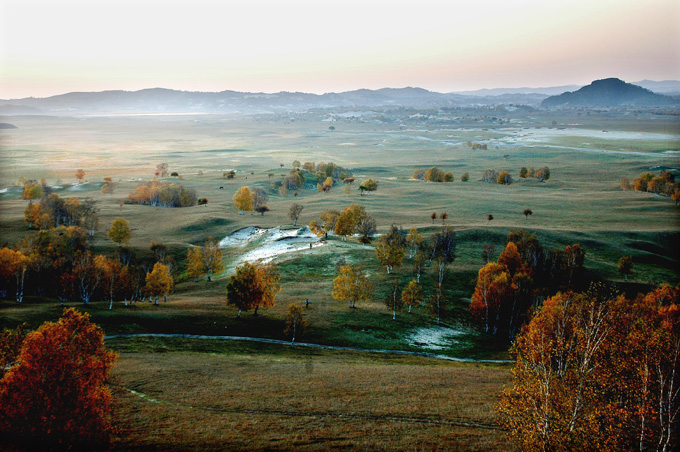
column 79, row 186
column 434, row 338
column 4, row 190
column 273, row 242
column 539, row 134
column 242, row 237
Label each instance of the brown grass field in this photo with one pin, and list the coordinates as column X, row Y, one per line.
column 269, row 398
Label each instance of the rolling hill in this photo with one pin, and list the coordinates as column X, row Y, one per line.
column 610, row 92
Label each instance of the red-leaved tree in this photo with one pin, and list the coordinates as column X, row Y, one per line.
column 55, row 392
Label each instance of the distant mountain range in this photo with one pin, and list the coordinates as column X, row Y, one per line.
column 609, row 92
column 159, row 100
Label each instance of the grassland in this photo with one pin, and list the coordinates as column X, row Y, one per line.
column 204, row 401
column 257, row 397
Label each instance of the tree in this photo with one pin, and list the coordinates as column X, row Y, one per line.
column 195, row 264
column 109, row 270
column 493, row 284
column 107, row 188
column 14, row 264
column 543, row 173
column 159, row 250
column 80, row 175
column 326, row 185
column 488, row 250
column 329, row 218
column 444, row 252
column 490, row 176
column 243, row 200
column 32, row 191
column 419, row 260
column 390, row 249
column 55, row 393
column 676, row 196
column 523, row 172
column 351, row 286
column 212, row 258
column 294, row 212
column 368, row 185
column 414, row 241
column 465, row 177
column 433, row 216
column 434, row 174
column 366, row 228
column 10, row 347
column 527, row 212
column 412, row 295
column 253, row 286
column 393, row 299
column 87, row 275
column 625, row 266
column 259, row 197
column 504, row 177
column 158, row 282
column 575, row 258
column 262, row 210
column 346, row 223
column 120, row 231
column 444, row 216
column 597, row 370
column 296, row 164
column 295, row 323
column 161, row 170
column 510, row 258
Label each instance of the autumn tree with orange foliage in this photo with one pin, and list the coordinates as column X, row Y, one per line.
column 596, row 371
column 502, row 294
column 55, row 393
column 159, row 282
column 253, row 286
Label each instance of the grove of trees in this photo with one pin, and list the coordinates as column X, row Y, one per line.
column 524, row 274
column 664, row 185
column 163, row 194
column 597, row 371
column 433, row 174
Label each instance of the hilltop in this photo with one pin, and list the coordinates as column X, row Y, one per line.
column 610, row 92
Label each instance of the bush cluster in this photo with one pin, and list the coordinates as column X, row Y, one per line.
column 433, row 174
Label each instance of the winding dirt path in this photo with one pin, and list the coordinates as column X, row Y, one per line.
column 310, row 345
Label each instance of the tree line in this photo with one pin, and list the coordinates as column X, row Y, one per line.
column 595, row 370
column 163, row 194
column 508, row 290
column 58, row 262
column 53, row 211
column 664, row 185
column 505, row 178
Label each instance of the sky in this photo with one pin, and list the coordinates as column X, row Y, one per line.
column 52, row 47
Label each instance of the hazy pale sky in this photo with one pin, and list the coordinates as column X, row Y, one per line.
column 51, row 47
